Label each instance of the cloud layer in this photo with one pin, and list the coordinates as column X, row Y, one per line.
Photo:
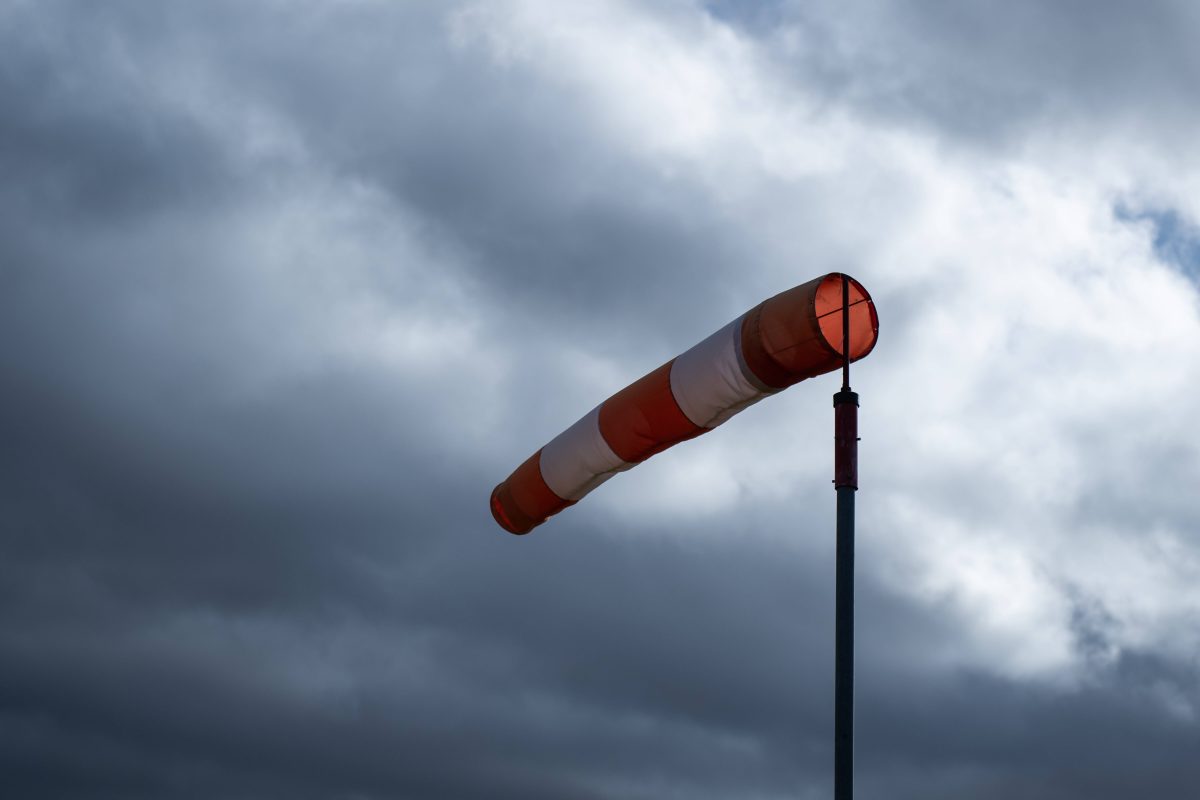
column 287, row 287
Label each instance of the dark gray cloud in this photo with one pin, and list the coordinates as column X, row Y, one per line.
column 995, row 76
column 276, row 282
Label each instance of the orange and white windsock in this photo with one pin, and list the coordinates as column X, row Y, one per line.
column 794, row 335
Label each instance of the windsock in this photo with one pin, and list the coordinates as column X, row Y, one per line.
column 794, row 335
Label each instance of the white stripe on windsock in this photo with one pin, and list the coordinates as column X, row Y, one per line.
column 578, row 459
column 709, row 381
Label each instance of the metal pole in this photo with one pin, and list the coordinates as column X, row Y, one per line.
column 845, row 480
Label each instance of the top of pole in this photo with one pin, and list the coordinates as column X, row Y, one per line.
column 845, row 333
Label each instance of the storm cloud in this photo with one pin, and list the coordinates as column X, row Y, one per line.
column 287, row 287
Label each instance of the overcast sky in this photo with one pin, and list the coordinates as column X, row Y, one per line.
column 287, row 287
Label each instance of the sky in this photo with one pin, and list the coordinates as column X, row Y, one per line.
column 287, row 286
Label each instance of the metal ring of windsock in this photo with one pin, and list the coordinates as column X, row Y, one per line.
column 794, row 335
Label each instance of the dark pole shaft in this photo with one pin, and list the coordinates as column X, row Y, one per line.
column 843, row 682
column 845, row 480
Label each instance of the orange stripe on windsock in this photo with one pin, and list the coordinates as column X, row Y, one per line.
column 797, row 334
column 643, row 418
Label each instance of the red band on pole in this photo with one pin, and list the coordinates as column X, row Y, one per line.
column 845, row 439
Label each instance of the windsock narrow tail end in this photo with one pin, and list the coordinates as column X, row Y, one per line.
column 502, row 518
column 523, row 501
